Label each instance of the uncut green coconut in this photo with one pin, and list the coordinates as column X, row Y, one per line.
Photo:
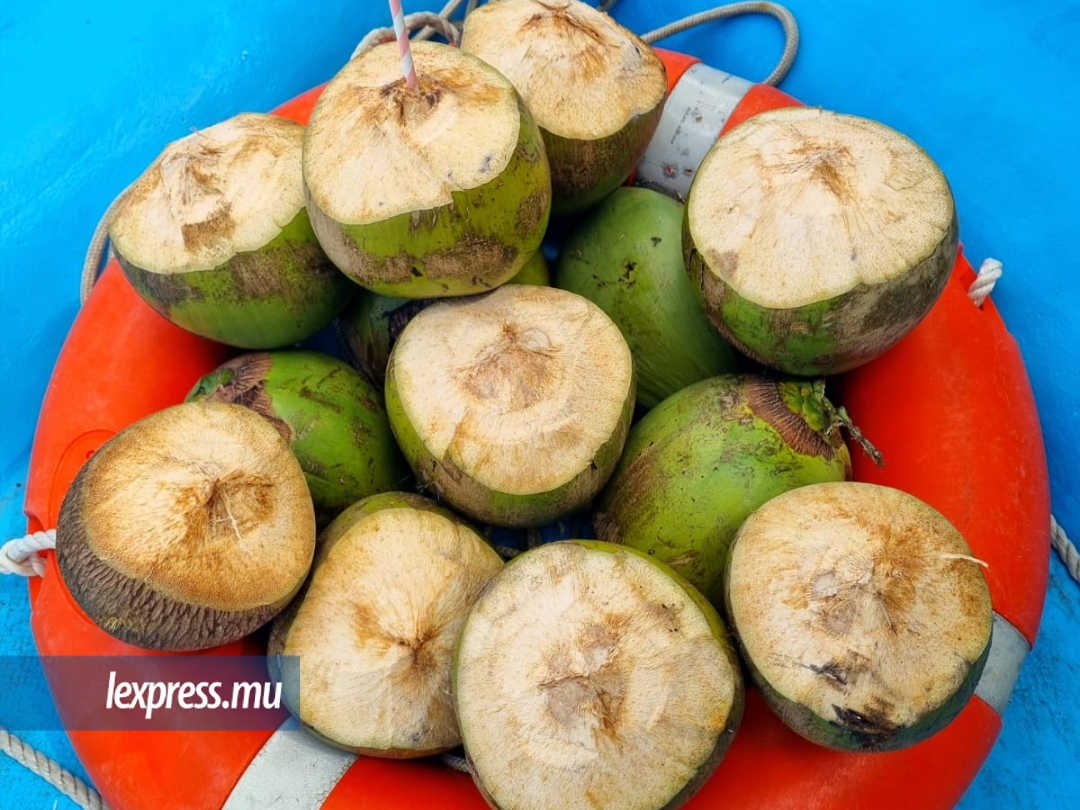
column 440, row 191
column 332, row 417
column 596, row 89
column 187, row 530
column 590, row 675
column 863, row 618
column 513, row 406
column 705, row 458
column 364, row 654
column 817, row 240
column 214, row 235
column 372, row 323
column 626, row 257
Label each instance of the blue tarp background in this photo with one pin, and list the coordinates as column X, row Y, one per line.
column 90, row 93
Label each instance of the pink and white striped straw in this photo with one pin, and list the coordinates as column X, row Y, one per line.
column 404, row 48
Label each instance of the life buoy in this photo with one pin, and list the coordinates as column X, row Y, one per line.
column 950, row 407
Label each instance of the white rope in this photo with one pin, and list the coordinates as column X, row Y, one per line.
column 429, row 31
column 95, row 254
column 1065, row 549
column 988, row 276
column 458, row 763
column 426, row 20
column 20, row 556
column 51, row 771
column 775, row 10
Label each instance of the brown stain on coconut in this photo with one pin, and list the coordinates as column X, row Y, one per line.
column 877, row 585
column 422, row 659
column 259, row 275
column 532, row 210
column 409, row 107
column 217, row 227
column 590, row 683
column 832, row 167
column 162, row 291
column 561, row 20
column 469, row 256
column 234, row 503
column 515, row 369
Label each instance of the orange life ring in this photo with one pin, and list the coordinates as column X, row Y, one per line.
column 950, row 407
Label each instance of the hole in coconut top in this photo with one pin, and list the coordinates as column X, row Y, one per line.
column 375, row 149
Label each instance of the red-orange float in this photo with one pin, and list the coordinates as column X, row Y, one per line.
column 950, row 407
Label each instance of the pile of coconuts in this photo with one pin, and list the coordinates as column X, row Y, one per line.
column 664, row 377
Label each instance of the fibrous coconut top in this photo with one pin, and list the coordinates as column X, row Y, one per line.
column 375, row 149
column 581, row 74
column 206, row 503
column 858, row 601
column 220, row 191
column 374, row 635
column 801, row 204
column 519, row 388
column 588, row 678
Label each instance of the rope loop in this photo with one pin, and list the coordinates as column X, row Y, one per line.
column 1065, row 549
column 426, row 20
column 776, row 10
column 988, row 275
column 20, row 556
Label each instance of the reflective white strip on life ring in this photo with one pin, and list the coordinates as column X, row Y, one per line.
column 694, row 114
column 293, row 771
column 1008, row 648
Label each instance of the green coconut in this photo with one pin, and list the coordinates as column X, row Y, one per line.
column 364, row 655
column 214, row 236
column 862, row 616
column 333, row 418
column 372, row 323
column 705, row 458
column 817, row 240
column 590, row 675
column 595, row 88
column 187, row 530
column 440, row 191
column 626, row 257
column 514, row 405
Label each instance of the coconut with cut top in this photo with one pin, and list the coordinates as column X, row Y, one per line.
column 590, row 675
column 595, row 88
column 187, row 530
column 862, row 615
column 214, row 235
column 816, row 240
column 439, row 191
column 513, row 405
column 364, row 654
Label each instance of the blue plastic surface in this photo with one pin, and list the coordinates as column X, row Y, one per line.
column 92, row 92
